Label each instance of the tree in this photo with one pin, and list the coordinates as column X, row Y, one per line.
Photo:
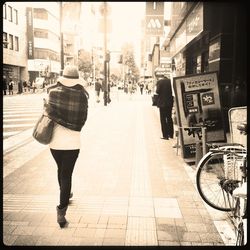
column 129, row 60
column 85, row 62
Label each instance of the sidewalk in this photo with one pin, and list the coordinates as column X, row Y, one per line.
column 130, row 188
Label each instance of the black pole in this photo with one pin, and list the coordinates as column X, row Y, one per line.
column 61, row 38
column 105, row 52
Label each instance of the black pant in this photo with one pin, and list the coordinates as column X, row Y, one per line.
column 65, row 160
column 166, row 122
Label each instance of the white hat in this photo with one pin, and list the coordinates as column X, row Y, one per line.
column 71, row 77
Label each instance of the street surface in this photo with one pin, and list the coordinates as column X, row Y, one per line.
column 130, row 187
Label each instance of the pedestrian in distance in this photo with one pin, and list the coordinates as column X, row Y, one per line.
column 4, row 86
column 67, row 106
column 165, row 105
column 141, row 87
column 130, row 89
column 20, row 87
column 25, row 86
column 98, row 88
column 10, row 87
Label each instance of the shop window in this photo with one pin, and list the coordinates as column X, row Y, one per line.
column 11, row 42
column 15, row 16
column 16, row 43
column 10, row 16
column 5, row 40
column 4, row 12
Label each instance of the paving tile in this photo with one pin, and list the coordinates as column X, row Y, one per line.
column 141, row 211
column 44, row 231
column 168, row 212
column 169, row 243
column 210, row 237
column 65, row 232
column 47, row 241
column 103, row 219
column 189, row 236
column 84, row 232
column 115, row 233
column 96, row 225
column 141, row 223
column 91, row 242
column 89, row 219
column 69, row 241
column 193, row 218
column 100, row 233
column 24, row 230
column 113, row 242
column 9, row 239
column 141, row 201
column 141, row 238
column 8, row 229
column 166, row 202
column 196, row 227
column 26, row 240
column 167, row 236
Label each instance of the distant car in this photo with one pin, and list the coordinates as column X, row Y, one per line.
column 39, row 83
column 120, row 85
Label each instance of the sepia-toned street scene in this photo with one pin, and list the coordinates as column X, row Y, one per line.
column 147, row 106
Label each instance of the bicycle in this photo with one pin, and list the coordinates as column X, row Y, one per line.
column 219, row 178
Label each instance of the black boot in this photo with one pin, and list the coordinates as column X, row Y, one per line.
column 61, row 216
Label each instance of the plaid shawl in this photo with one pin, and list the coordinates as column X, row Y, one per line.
column 68, row 106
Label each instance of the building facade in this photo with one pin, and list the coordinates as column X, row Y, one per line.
column 207, row 37
column 43, row 40
column 14, row 43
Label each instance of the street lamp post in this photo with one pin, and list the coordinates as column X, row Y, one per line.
column 61, row 37
column 105, row 52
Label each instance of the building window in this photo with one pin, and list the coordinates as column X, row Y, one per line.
column 4, row 12
column 5, row 40
column 10, row 41
column 16, row 43
column 40, row 33
column 154, row 5
column 15, row 16
column 10, row 17
column 40, row 14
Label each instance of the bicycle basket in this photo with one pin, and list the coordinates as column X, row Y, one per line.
column 233, row 163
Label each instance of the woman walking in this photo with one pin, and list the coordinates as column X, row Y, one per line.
column 67, row 106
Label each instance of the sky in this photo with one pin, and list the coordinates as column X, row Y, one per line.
column 125, row 20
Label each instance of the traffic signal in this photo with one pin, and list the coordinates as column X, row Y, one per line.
column 120, row 59
column 107, row 56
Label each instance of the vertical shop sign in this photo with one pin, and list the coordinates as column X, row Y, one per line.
column 198, row 103
column 154, row 18
column 30, row 35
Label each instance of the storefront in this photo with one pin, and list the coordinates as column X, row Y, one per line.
column 11, row 72
column 212, row 37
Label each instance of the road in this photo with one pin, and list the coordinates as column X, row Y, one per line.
column 20, row 112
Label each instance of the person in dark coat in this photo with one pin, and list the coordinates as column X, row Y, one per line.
column 4, row 86
column 165, row 105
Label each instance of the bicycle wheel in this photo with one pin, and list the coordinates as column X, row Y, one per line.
column 215, row 183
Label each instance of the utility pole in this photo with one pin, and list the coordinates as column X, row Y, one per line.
column 93, row 65
column 61, row 38
column 105, row 53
